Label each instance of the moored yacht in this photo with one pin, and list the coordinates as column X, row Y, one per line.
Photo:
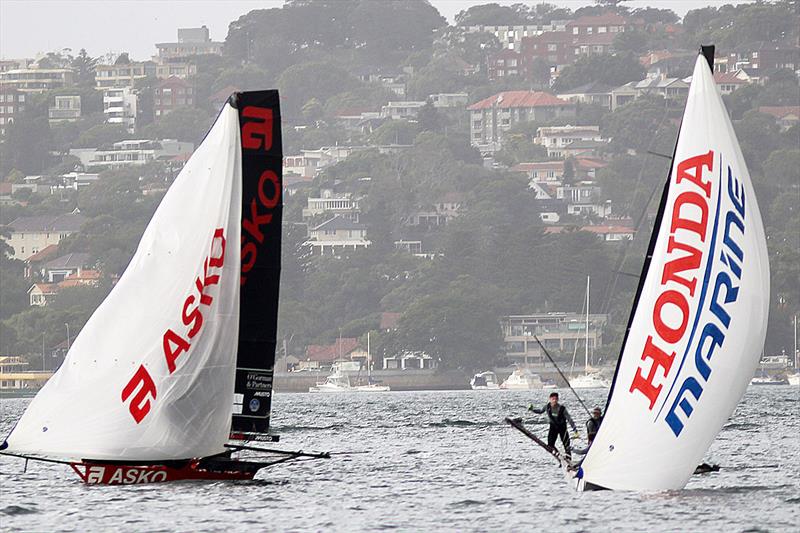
column 484, row 381
column 523, row 379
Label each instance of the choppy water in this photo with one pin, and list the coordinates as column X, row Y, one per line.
column 434, row 461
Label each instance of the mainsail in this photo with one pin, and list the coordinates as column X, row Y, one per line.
column 151, row 375
column 700, row 317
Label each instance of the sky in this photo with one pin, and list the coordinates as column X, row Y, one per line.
column 28, row 27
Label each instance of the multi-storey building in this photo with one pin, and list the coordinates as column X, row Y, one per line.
column 336, row 204
column 131, row 153
column 492, row 116
column 191, row 42
column 337, row 235
column 12, row 103
column 119, row 107
column 510, row 36
column 170, row 94
column 174, row 69
column 64, row 109
column 559, row 332
column 31, row 234
column 37, row 80
column 123, row 75
column 555, row 138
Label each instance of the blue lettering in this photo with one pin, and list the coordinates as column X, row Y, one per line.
column 731, row 293
column 711, row 331
column 737, row 196
column 689, row 385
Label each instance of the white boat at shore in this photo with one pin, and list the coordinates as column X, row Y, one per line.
column 523, row 379
column 484, row 381
column 793, row 379
column 593, row 380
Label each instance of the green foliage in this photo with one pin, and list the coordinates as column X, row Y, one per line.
column 493, row 15
column 184, row 124
column 300, row 83
column 642, row 125
column 100, row 135
column 26, row 146
column 613, row 70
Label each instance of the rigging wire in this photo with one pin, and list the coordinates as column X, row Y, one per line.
column 562, row 376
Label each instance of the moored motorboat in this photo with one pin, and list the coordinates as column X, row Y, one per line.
column 523, row 379
column 484, row 381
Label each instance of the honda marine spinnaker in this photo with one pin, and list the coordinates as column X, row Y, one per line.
column 699, row 318
column 173, row 372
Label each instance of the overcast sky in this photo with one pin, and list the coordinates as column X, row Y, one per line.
column 31, row 26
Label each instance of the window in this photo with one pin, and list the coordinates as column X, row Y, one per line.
column 552, row 47
column 589, row 30
column 575, row 31
column 602, row 29
column 3, row 97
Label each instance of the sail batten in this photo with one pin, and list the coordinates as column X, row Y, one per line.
column 699, row 320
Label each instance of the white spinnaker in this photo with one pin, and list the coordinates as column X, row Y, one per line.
column 640, row 447
column 80, row 412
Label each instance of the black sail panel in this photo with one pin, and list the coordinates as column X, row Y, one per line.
column 262, row 207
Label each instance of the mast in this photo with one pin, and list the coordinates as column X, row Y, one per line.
column 369, row 368
column 795, row 344
column 586, row 352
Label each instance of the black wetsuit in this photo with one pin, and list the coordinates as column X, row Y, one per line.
column 592, row 427
column 558, row 426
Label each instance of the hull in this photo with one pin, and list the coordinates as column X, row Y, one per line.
column 589, row 381
column 115, row 473
column 793, row 379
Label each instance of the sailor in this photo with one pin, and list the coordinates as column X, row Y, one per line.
column 593, row 424
column 558, row 416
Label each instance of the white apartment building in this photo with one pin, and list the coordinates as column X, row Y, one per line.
column 64, row 109
column 401, row 110
column 123, row 75
column 555, row 137
column 131, row 153
column 120, row 106
column 29, row 235
column 330, row 202
column 37, row 80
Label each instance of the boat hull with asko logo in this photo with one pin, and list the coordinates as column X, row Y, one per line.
column 110, row 473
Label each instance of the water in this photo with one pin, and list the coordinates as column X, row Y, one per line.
column 434, row 461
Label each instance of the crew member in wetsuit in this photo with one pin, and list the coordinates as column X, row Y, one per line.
column 593, row 425
column 558, row 416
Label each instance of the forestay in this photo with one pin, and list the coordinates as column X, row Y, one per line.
column 698, row 328
column 151, row 375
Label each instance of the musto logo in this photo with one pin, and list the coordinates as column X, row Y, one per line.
column 691, row 256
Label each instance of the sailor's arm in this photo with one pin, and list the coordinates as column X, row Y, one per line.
column 535, row 410
column 569, row 419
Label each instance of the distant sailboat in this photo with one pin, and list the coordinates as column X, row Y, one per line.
column 187, row 336
column 591, row 378
column 699, row 317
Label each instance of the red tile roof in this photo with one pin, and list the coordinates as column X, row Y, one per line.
column 728, row 77
column 605, row 230
column 516, row 99
column 780, row 111
column 325, row 353
column 539, row 165
column 389, row 320
column 45, row 253
column 6, row 188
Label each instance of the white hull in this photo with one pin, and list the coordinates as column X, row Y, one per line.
column 484, row 381
column 523, row 380
column 794, row 379
column 326, row 388
column 589, row 381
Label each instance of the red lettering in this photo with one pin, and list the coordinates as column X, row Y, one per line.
column 681, row 264
column 249, row 254
column 697, row 163
column 140, row 404
column 699, row 227
column 195, row 317
column 171, row 354
column 671, row 335
column 217, row 262
column 269, row 201
column 660, row 359
column 253, row 227
column 258, row 131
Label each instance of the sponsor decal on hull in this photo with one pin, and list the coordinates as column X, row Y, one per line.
column 108, row 474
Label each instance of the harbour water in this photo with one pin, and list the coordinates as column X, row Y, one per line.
column 429, row 461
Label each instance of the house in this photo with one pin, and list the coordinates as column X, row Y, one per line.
column 439, row 212
column 389, row 321
column 591, row 93
column 337, row 235
column 218, row 99
column 785, row 116
column 32, row 234
column 12, row 103
column 612, row 233
column 120, row 107
column 175, row 69
column 170, row 94
column 552, row 171
column 401, row 110
column 580, row 148
column 310, row 162
column 503, row 64
column 559, row 332
column 57, row 269
column 554, row 48
column 556, row 138
column 604, row 23
column 191, row 42
column 510, row 37
column 411, row 247
column 593, row 44
column 492, row 116
column 407, row 360
column 448, row 100
column 37, row 80
column 333, row 203
column 730, row 81
column 660, row 85
column 40, row 294
column 324, row 355
column 764, row 57
column 65, row 108
column 123, row 75
column 130, row 153
column 81, row 278
column 34, row 262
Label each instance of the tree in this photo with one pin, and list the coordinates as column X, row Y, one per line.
column 84, row 67
column 642, row 125
column 782, row 167
column 184, row 124
column 612, row 70
column 633, row 42
column 123, row 59
column 428, row 117
column 493, row 15
column 27, row 145
column 302, row 82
